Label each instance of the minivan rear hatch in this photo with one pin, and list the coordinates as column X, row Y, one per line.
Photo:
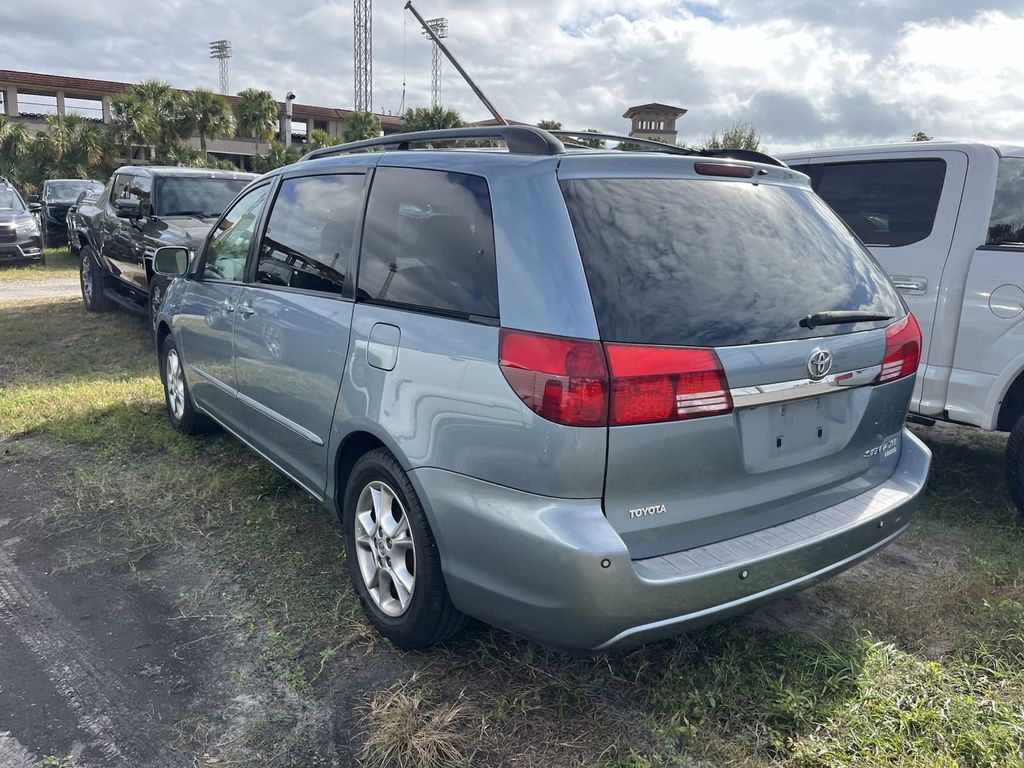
column 727, row 413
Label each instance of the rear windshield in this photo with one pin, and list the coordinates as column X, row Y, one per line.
column 1006, row 226
column 718, row 263
column 69, row 190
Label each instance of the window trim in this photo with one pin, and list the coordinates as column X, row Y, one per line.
column 348, row 292
column 199, row 263
column 494, row 320
column 818, row 174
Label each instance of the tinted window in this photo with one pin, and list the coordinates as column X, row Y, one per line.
column 890, row 202
column 1007, row 223
column 68, row 190
column 10, row 200
column 139, row 188
column 718, row 263
column 228, row 246
column 429, row 242
column 195, row 195
column 311, row 233
column 120, row 185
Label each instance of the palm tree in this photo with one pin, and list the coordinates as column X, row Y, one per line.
column 256, row 113
column 319, row 138
column 70, row 147
column 131, row 122
column 431, row 118
column 14, row 146
column 210, row 114
column 550, row 125
column 171, row 124
column 362, row 125
column 277, row 155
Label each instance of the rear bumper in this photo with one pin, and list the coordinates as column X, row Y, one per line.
column 555, row 571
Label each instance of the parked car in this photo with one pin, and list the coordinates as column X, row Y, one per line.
column 590, row 397
column 139, row 210
column 19, row 229
column 55, row 197
column 73, row 221
column 946, row 221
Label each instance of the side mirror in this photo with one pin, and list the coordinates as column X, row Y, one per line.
column 171, row 260
column 34, row 207
column 32, row 199
column 127, row 209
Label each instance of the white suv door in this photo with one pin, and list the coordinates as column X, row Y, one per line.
column 904, row 206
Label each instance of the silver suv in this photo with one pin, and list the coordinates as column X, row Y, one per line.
column 591, row 397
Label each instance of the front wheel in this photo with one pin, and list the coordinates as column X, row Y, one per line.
column 1015, row 467
column 393, row 558
column 180, row 411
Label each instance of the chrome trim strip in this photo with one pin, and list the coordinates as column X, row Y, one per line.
column 798, row 389
column 284, row 421
column 213, row 380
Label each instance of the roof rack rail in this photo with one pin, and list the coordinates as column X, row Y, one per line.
column 520, row 140
column 735, row 153
column 659, row 146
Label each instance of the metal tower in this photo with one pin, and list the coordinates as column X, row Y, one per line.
column 362, row 18
column 221, row 50
column 439, row 27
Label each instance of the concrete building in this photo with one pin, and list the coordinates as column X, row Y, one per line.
column 654, row 121
column 29, row 97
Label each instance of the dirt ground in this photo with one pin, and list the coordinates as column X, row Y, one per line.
column 30, row 289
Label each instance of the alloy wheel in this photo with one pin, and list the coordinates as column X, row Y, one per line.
column 175, row 384
column 86, row 273
column 385, row 548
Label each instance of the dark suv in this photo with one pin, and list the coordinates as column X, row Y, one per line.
column 592, row 397
column 19, row 230
column 54, row 198
column 140, row 210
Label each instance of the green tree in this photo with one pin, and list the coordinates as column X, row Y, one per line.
column 319, row 138
column 70, row 147
column 740, row 135
column 550, row 125
column 920, row 136
column 361, row 126
column 276, row 156
column 594, row 143
column 172, row 123
column 131, row 123
column 14, row 151
column 210, row 114
column 431, row 119
column 257, row 113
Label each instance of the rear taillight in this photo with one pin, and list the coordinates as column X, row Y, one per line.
column 563, row 380
column 665, row 383
column 568, row 381
column 902, row 349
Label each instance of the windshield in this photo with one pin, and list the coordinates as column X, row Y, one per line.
column 196, row 196
column 9, row 200
column 719, row 263
column 69, row 190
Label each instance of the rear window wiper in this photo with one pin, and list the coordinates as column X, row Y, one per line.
column 841, row 316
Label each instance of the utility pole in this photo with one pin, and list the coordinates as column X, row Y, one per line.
column 439, row 27
column 221, row 50
column 455, row 63
column 362, row 21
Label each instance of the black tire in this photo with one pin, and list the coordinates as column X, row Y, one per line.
column 72, row 248
column 178, row 401
column 1015, row 467
column 430, row 617
column 93, row 282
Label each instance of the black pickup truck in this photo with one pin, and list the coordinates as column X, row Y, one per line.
column 142, row 209
column 55, row 197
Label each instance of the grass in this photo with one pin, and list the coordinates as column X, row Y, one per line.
column 914, row 658
column 59, row 263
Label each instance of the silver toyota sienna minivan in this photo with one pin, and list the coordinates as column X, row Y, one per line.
column 592, row 397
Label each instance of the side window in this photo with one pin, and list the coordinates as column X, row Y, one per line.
column 1006, row 227
column 886, row 202
column 428, row 242
column 120, row 185
column 139, row 188
column 311, row 233
column 227, row 248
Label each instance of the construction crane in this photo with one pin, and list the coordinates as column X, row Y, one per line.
column 362, row 20
column 465, row 76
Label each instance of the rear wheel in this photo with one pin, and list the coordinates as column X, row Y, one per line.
column 1015, row 467
column 393, row 558
column 93, row 282
column 183, row 416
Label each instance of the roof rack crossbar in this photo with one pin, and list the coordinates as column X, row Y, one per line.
column 520, row 140
column 659, row 146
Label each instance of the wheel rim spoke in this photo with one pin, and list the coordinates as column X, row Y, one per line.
column 385, row 548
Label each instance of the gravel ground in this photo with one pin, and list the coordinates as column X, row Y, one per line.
column 43, row 288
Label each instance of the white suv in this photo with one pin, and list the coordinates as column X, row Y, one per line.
column 946, row 221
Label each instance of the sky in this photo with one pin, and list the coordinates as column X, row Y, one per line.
column 806, row 73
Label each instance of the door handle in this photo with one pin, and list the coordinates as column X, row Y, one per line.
column 910, row 283
column 246, row 308
column 227, row 306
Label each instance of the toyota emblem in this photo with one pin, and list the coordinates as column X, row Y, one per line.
column 819, row 364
